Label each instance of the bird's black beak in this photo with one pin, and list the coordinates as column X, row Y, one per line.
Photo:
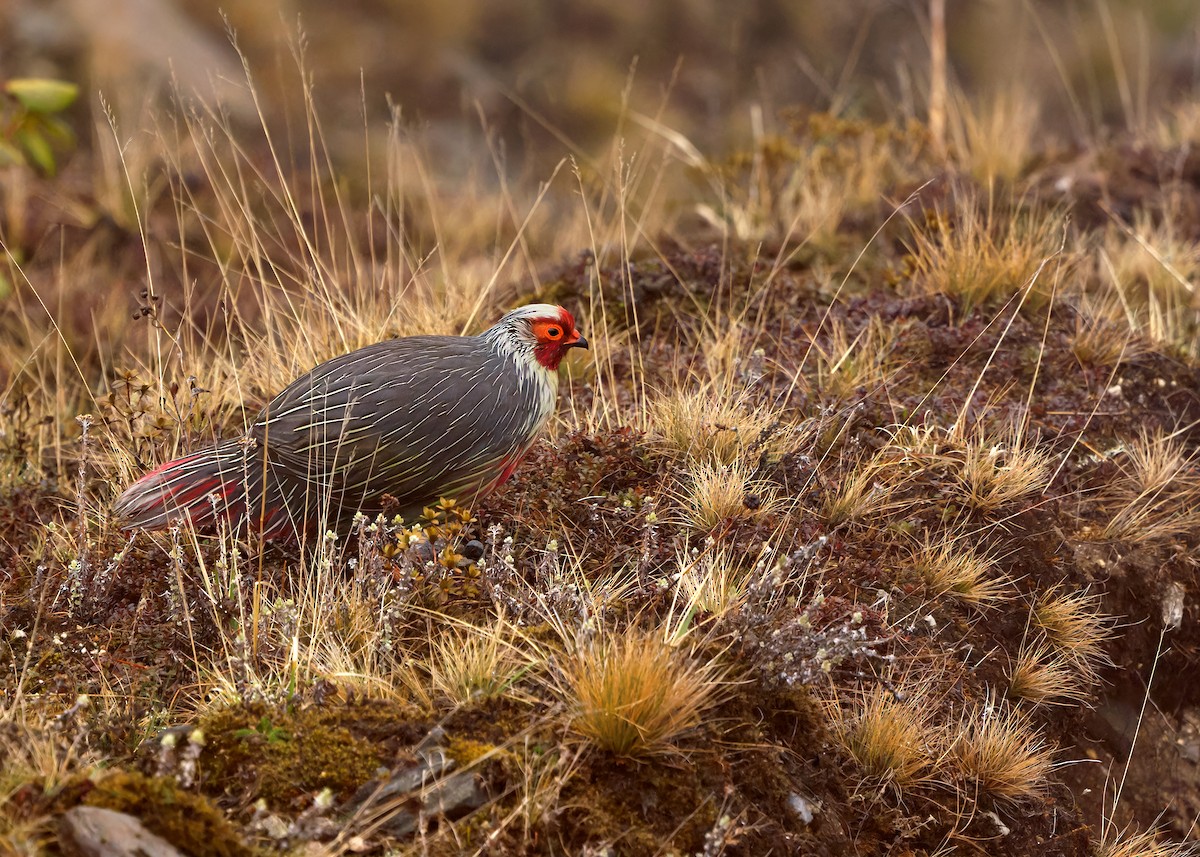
column 578, row 342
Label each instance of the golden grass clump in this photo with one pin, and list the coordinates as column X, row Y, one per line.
column 993, row 139
column 632, row 695
column 951, row 569
column 1143, row 843
column 1041, row 674
column 1073, row 623
column 714, row 495
column 1102, row 335
column 997, row 471
column 1001, row 755
column 469, row 664
column 846, row 364
column 711, row 580
column 708, row 426
column 1157, row 495
column 888, row 733
column 868, row 492
column 983, row 255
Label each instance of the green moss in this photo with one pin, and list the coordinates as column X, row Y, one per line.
column 187, row 820
column 285, row 756
column 465, row 751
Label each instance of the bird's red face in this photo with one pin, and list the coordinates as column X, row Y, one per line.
column 555, row 335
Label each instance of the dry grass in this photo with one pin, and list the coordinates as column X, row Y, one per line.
column 1041, row 674
column 711, row 427
column 1074, row 624
column 1152, row 270
column 890, row 735
column 951, row 569
column 712, row 580
column 998, row 470
column 867, row 493
column 994, row 139
column 847, row 366
column 982, row 256
column 1145, row 843
column 630, row 694
column 714, row 495
column 469, row 664
column 1156, row 497
column 1103, row 337
column 1000, row 754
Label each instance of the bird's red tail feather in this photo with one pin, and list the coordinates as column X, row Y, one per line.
column 182, row 490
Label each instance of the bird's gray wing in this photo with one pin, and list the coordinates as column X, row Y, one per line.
column 416, row 418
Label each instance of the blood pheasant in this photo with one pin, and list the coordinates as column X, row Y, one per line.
column 417, row 419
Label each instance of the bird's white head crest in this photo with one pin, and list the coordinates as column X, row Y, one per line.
column 537, row 332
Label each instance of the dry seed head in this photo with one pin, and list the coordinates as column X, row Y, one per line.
column 1040, row 674
column 888, row 734
column 999, row 754
column 632, row 695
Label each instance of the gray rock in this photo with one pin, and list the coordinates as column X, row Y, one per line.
column 90, row 831
column 425, row 789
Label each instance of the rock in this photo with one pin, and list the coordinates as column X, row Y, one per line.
column 473, row 550
column 427, row 788
column 90, row 831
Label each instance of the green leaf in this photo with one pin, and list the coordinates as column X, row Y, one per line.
column 57, row 130
column 10, row 155
column 42, row 95
column 37, row 150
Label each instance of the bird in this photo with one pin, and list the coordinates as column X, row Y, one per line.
column 398, row 425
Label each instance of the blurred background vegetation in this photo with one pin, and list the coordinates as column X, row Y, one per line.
column 548, row 75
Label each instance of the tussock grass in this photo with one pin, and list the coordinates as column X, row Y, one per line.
column 1041, row 674
column 1152, row 270
column 1157, row 495
column 630, row 694
column 950, row 568
column 998, row 470
column 1074, row 624
column 468, row 664
column 846, row 365
column 993, row 138
column 710, row 427
column 1141, row 843
column 981, row 256
column 1000, row 754
column 715, row 495
column 890, row 734
column 712, row 580
column 1103, row 336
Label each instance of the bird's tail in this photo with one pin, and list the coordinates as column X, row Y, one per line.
column 220, row 482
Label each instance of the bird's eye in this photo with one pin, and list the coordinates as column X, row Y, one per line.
column 553, row 332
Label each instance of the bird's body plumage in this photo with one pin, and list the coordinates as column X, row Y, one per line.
column 414, row 419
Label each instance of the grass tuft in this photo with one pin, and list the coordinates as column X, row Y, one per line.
column 1001, row 755
column 889, row 735
column 632, row 695
column 1041, row 674
column 960, row 573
